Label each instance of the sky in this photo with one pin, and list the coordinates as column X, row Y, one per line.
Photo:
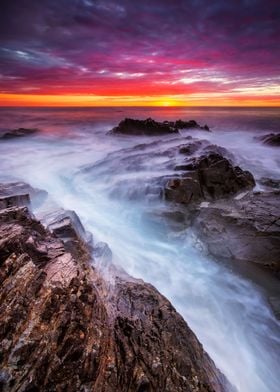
column 139, row 53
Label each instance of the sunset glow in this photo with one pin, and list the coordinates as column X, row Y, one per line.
column 123, row 53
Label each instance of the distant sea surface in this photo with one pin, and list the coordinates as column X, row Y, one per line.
column 254, row 119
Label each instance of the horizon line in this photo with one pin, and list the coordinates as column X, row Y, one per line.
column 140, row 106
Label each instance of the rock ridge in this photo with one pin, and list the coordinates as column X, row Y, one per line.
column 59, row 333
column 150, row 127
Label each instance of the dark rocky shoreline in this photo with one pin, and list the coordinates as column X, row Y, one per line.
column 150, row 127
column 64, row 328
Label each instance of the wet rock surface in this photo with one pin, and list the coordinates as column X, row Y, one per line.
column 271, row 139
column 14, row 200
column 192, row 175
column 18, row 133
column 270, row 182
column 66, row 225
column 247, row 230
column 63, row 328
column 210, row 176
column 150, row 127
column 20, row 193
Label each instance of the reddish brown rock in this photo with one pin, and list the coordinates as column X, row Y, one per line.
column 21, row 194
column 64, row 328
column 66, row 225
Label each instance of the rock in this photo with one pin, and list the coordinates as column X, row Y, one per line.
column 150, row 127
column 183, row 190
column 102, row 254
column 16, row 200
column 22, row 194
column 66, row 225
column 179, row 124
column 271, row 139
column 215, row 149
column 218, row 178
column 59, row 330
column 209, row 177
column 247, row 229
column 166, row 219
column 17, row 133
column 270, row 182
column 192, row 147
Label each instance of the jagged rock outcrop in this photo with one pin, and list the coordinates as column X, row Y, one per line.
column 210, row 176
column 63, row 327
column 17, row 133
column 247, row 229
column 271, row 139
column 66, row 225
column 150, row 127
column 20, row 194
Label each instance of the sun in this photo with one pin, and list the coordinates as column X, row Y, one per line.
column 166, row 102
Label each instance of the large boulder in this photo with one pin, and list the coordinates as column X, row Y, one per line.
column 208, row 177
column 150, row 127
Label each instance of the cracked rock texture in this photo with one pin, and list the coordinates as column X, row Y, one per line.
column 64, row 327
column 247, row 229
column 208, row 177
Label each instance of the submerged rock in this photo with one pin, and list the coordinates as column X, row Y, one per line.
column 102, row 253
column 215, row 149
column 61, row 330
column 17, row 133
column 270, row 182
column 271, row 139
column 191, row 147
column 150, row 127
